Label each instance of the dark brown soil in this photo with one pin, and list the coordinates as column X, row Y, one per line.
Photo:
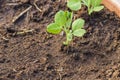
column 28, row 52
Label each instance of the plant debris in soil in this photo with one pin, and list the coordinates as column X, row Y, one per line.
column 28, row 52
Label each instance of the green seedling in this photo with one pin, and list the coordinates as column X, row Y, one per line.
column 92, row 5
column 63, row 22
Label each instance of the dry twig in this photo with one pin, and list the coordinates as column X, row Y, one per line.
column 24, row 31
column 12, row 4
column 37, row 7
column 17, row 17
column 3, row 37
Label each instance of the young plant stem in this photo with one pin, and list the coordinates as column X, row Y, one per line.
column 66, row 33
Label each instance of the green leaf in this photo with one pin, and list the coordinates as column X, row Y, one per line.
column 54, row 28
column 74, row 4
column 78, row 24
column 93, row 3
column 79, row 32
column 98, row 8
column 69, row 19
column 60, row 18
column 97, row 2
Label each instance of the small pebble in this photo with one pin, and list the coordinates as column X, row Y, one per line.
column 116, row 73
column 109, row 72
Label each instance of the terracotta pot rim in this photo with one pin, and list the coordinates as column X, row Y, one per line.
column 112, row 5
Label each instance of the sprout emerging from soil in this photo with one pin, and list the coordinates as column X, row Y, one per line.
column 92, row 5
column 63, row 22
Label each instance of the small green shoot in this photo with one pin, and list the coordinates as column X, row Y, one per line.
column 63, row 22
column 92, row 5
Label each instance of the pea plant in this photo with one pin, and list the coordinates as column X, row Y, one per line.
column 63, row 22
column 92, row 5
